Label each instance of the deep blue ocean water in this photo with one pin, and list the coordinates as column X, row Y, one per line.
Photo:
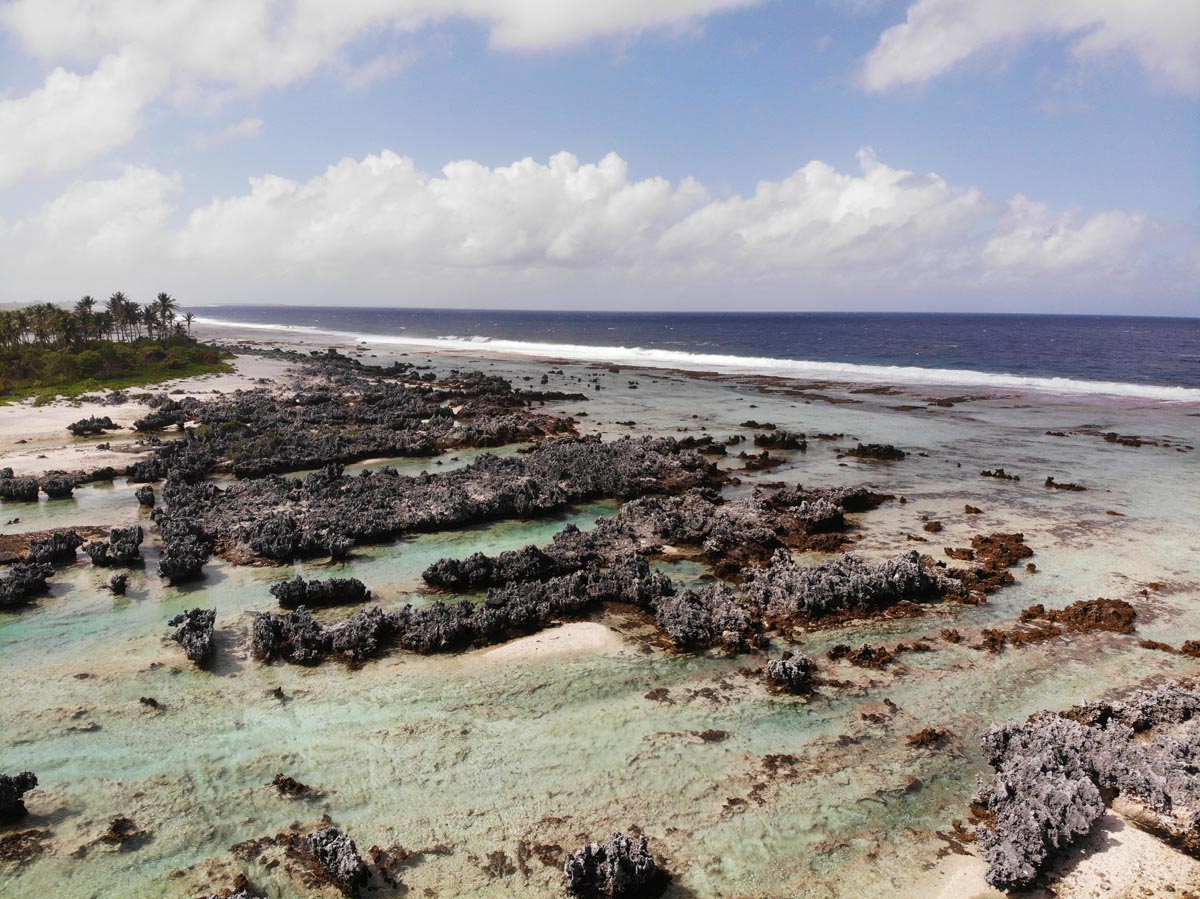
column 1124, row 350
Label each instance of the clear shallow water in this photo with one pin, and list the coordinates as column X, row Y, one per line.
column 481, row 754
column 1127, row 355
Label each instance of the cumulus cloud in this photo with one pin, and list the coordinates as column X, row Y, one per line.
column 1034, row 239
column 73, row 118
column 1162, row 35
column 379, row 229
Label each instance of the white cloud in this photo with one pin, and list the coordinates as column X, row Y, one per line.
column 201, row 50
column 561, row 232
column 246, row 129
column 1162, row 35
column 73, row 118
column 1034, row 239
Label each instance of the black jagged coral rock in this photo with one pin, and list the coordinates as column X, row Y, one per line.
column 145, row 496
column 1054, row 773
column 195, row 633
column 845, row 586
column 14, row 489
column 327, row 512
column 620, row 867
column 123, row 547
column 91, row 426
column 58, row 547
column 12, row 789
column 338, row 860
column 878, row 452
column 794, row 673
column 727, row 535
column 708, row 618
column 335, row 591
column 440, row 627
column 58, row 486
column 23, row 582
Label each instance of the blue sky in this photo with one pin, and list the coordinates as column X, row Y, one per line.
column 1047, row 160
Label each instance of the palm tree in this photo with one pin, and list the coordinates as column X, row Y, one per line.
column 118, row 308
column 83, row 312
column 41, row 321
column 10, row 328
column 149, row 318
column 165, row 306
column 188, row 318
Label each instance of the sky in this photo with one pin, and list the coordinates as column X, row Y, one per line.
column 962, row 155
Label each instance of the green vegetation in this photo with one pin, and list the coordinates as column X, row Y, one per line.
column 48, row 351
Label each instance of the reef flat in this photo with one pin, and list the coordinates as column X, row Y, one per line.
column 355, row 621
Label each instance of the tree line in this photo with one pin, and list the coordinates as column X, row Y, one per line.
column 120, row 319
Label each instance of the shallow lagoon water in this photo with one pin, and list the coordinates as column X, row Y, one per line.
column 471, row 755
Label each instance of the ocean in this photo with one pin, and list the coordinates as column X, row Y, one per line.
column 1153, row 358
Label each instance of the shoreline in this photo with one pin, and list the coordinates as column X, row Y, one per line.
column 842, row 374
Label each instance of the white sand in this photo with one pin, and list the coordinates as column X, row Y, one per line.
column 1118, row 861
column 567, row 639
column 49, row 446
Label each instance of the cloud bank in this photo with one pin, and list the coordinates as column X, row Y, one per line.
column 379, row 230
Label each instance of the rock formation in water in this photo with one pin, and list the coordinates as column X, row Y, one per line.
column 795, row 673
column 195, row 633
column 23, row 582
column 338, row 859
column 57, row 547
column 12, row 789
column 58, row 486
column 327, row 512
column 877, row 452
column 92, row 426
column 843, row 587
column 14, row 489
column 145, row 496
column 316, row 594
column 123, row 547
column 620, row 867
column 507, row 611
column 1056, row 773
column 728, row 535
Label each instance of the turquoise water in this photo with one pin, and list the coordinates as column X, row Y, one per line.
column 481, row 752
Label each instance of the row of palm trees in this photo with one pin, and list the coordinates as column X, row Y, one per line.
column 120, row 319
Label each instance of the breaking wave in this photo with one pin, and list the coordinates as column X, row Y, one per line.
column 753, row 365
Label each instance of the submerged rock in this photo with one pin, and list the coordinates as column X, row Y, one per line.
column 12, row 789
column 195, row 633
column 117, row 584
column 620, row 866
column 878, row 452
column 339, row 860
